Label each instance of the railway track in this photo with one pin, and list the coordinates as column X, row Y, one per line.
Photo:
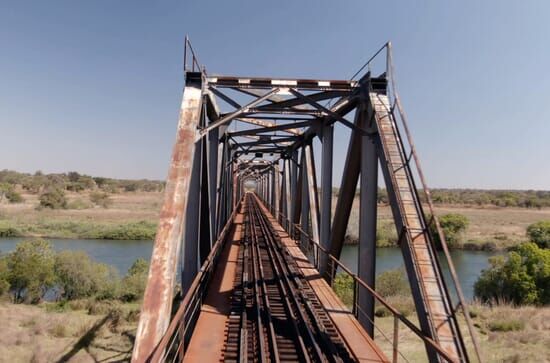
column 275, row 315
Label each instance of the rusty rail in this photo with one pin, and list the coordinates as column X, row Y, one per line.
column 317, row 247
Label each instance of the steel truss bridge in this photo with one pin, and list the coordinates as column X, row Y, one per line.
column 248, row 244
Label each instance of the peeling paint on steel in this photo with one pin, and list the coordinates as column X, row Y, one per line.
column 157, row 301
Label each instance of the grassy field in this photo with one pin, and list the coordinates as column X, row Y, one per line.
column 506, row 334
column 35, row 334
column 132, row 214
column 136, row 214
column 504, row 226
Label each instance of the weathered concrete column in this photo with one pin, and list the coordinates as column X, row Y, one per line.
column 157, row 300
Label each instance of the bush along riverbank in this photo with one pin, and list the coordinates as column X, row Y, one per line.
column 139, row 230
column 454, row 227
column 64, row 306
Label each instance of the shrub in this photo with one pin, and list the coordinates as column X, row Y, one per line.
column 31, row 270
column 101, row 199
column 386, row 235
column 453, row 225
column 540, row 233
column 133, row 284
column 58, row 330
column 522, row 277
column 78, row 204
column 13, row 197
column 392, row 283
column 506, row 325
column 8, row 230
column 53, row 198
column 78, row 276
column 4, row 284
column 343, row 287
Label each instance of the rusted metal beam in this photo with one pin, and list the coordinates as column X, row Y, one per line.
column 348, row 185
column 312, row 193
column 266, row 129
column 257, row 82
column 238, row 112
column 157, row 301
column 326, row 193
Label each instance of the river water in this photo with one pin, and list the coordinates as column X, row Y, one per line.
column 121, row 255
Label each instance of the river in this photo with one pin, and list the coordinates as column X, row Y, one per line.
column 121, row 255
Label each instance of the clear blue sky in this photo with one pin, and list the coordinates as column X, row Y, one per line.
column 95, row 86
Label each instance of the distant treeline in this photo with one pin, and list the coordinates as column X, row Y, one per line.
column 72, row 181
column 480, row 197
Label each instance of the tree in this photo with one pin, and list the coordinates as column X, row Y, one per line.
column 540, row 233
column 133, row 284
column 78, row 276
column 31, row 270
column 522, row 277
column 53, row 198
column 4, row 284
column 453, row 225
column 101, row 199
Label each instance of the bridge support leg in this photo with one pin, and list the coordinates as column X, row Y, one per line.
column 304, row 203
column 326, row 195
column 157, row 300
column 367, row 231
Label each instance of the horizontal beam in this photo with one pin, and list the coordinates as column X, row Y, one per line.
column 261, row 130
column 319, row 96
column 256, row 82
column 268, row 140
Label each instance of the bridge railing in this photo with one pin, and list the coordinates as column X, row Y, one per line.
column 313, row 250
column 172, row 346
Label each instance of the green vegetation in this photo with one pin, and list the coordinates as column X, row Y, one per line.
column 133, row 284
column 78, row 276
column 8, row 192
column 392, row 285
column 101, row 199
column 479, row 197
column 33, row 269
column 140, row 230
column 8, row 230
column 453, row 226
column 30, row 270
column 506, row 325
column 386, row 235
column 75, row 182
column 540, row 233
column 53, row 198
column 522, row 277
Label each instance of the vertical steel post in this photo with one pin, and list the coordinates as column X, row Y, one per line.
column 305, row 203
column 312, row 191
column 367, row 230
column 276, row 190
column 326, row 194
column 213, row 146
column 157, row 300
column 288, row 202
column 348, row 186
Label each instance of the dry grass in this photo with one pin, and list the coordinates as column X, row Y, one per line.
column 32, row 334
column 503, row 226
column 527, row 341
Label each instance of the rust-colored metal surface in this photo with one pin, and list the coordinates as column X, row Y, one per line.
column 157, row 301
column 207, row 342
column 361, row 346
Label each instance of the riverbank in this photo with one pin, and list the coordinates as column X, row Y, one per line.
column 134, row 215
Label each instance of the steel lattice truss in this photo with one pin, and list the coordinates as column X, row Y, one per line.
column 265, row 138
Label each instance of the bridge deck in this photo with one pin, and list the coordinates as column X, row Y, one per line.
column 209, row 337
column 208, row 340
